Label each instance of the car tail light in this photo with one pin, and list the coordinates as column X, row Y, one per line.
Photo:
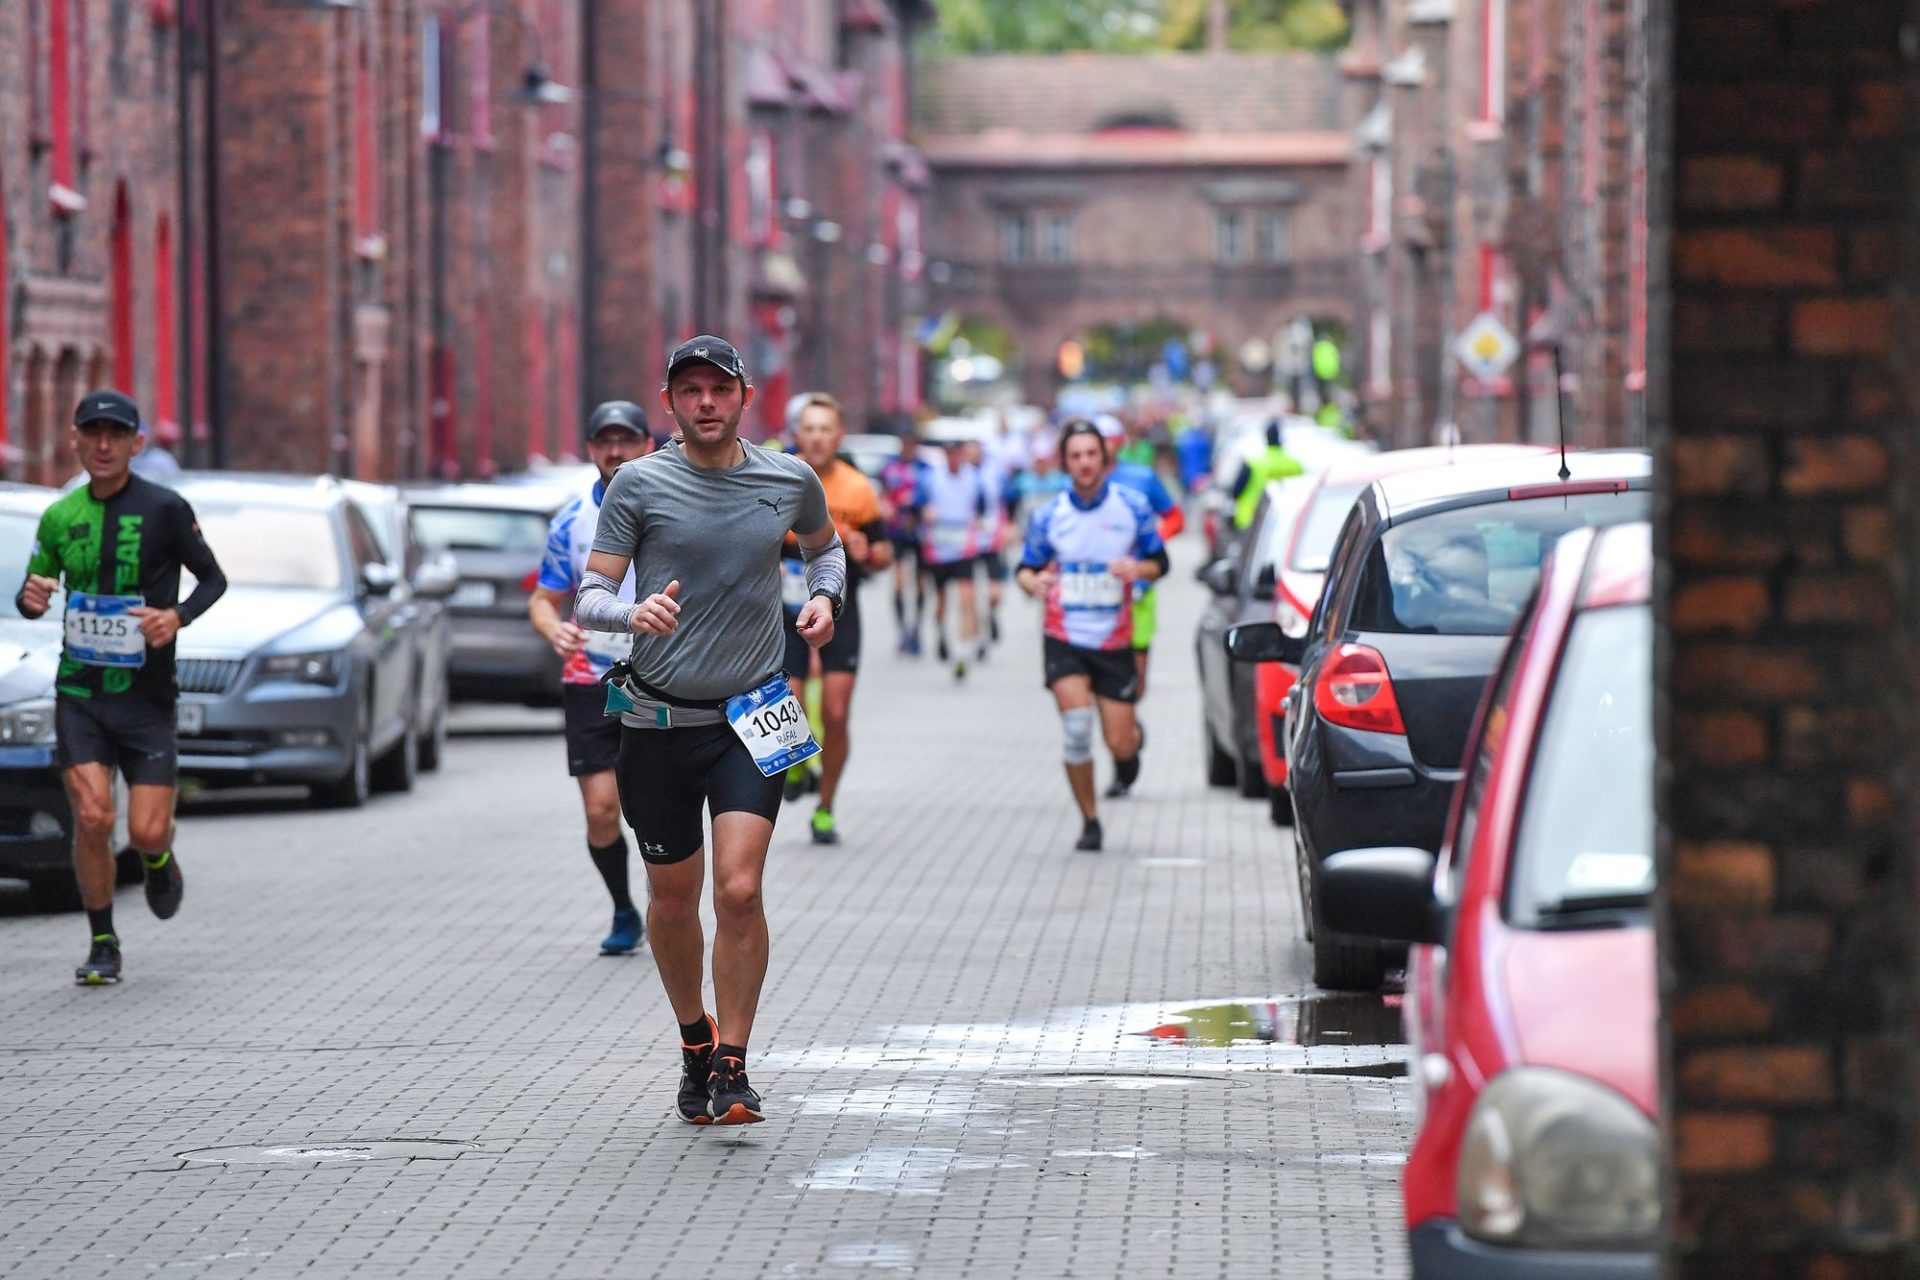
column 1355, row 691
column 531, row 581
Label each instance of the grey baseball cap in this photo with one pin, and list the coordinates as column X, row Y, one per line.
column 616, row 413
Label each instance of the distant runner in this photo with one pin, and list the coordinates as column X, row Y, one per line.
column 1084, row 551
column 709, row 721
column 954, row 506
column 118, row 544
column 616, row 433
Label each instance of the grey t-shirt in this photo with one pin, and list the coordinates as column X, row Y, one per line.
column 719, row 533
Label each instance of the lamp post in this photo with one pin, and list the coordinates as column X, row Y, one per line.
column 537, row 88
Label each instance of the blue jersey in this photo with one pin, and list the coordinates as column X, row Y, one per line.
column 569, row 543
column 1146, row 482
column 1088, row 607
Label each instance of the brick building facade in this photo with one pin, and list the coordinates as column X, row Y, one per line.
column 348, row 238
column 1208, row 189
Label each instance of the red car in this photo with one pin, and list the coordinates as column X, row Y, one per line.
column 1531, row 1003
column 1303, row 570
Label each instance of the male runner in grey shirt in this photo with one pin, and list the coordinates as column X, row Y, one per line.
column 701, row 522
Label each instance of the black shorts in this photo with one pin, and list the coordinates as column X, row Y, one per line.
column 956, row 571
column 132, row 734
column 995, row 563
column 593, row 737
column 842, row 653
column 666, row 775
column 1113, row 672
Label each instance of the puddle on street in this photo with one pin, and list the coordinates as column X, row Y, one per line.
column 1310, row 1021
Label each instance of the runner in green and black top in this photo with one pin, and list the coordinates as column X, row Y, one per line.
column 118, row 544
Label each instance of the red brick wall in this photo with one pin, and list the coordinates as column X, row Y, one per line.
column 1786, row 601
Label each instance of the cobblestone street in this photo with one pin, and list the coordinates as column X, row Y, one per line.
column 953, row 1043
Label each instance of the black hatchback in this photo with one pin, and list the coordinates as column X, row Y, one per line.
column 1427, row 578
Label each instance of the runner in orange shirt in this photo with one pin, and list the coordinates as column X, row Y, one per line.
column 855, row 509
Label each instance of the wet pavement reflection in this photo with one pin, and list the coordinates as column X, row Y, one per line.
column 1302, row 1020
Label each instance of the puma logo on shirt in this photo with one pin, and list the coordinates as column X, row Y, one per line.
column 769, row 503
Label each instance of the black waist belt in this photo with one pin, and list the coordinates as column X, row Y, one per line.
column 625, row 671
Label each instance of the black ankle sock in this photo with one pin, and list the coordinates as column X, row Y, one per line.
column 611, row 862
column 696, row 1033
column 1128, row 771
column 738, row 1052
column 100, row 921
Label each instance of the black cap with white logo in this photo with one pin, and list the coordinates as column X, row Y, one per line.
column 617, row 413
column 707, row 349
column 107, row 406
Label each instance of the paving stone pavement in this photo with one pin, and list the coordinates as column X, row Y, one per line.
column 952, row 1041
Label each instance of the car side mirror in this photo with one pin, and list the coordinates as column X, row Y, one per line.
column 437, row 578
column 1218, row 576
column 379, row 579
column 1266, row 583
column 1382, row 893
column 1264, row 642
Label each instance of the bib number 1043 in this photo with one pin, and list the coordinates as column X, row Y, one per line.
column 773, row 727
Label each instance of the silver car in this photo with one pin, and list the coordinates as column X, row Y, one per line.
column 307, row 670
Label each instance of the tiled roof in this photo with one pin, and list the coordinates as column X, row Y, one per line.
column 1081, row 92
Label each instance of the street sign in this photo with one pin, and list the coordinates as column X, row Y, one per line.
column 1486, row 347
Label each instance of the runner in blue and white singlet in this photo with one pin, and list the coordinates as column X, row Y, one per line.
column 1087, row 606
column 954, row 507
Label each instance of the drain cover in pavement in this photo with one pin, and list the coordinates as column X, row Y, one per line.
column 332, row 1153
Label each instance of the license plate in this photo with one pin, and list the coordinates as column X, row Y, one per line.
column 472, row 595
column 189, row 718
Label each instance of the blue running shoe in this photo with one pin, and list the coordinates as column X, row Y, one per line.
column 626, row 934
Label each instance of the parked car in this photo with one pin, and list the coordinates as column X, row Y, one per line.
column 1428, row 575
column 1302, row 569
column 307, row 670
column 1532, row 1007
column 427, row 578
column 36, row 823
column 1242, row 589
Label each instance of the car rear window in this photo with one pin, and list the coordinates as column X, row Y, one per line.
column 480, row 529
column 1587, row 829
column 1469, row 571
column 1321, row 527
column 265, row 547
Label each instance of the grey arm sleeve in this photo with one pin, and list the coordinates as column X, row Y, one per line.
column 826, row 568
column 598, row 606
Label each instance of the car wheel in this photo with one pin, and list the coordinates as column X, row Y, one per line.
column 1342, row 962
column 396, row 770
column 352, row 788
column 1219, row 763
column 1280, row 806
column 55, row 891
column 127, row 867
column 434, row 744
column 1253, row 782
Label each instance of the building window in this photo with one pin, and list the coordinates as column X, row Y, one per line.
column 1016, row 238
column 1229, row 236
column 1056, row 238
column 366, row 160
column 60, row 91
column 1274, row 232
column 165, row 364
column 120, row 301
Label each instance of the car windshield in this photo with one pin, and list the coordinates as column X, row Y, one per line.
column 1321, row 527
column 274, row 547
column 1585, row 846
column 480, row 529
column 1468, row 571
column 16, row 544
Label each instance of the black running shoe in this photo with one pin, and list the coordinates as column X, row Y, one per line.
column 165, row 885
column 696, row 1064
column 731, row 1100
column 103, row 962
column 1125, row 774
column 1090, row 837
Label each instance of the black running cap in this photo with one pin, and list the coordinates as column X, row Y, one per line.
column 707, row 349
column 617, row 413
column 107, row 406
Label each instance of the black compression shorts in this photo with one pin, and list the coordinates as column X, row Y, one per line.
column 667, row 776
column 841, row 654
column 1113, row 672
column 953, row 571
column 127, row 732
column 593, row 737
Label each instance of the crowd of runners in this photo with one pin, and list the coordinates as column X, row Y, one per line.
column 703, row 597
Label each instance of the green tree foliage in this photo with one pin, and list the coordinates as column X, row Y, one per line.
column 1130, row 26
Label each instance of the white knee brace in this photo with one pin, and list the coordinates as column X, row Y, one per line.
column 1076, row 730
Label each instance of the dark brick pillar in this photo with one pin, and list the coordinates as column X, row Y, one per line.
column 622, row 344
column 1788, row 919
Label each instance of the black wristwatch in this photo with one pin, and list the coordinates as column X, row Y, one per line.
column 822, row 593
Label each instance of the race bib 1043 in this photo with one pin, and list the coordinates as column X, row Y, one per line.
column 773, row 727
column 101, row 631
column 1090, row 586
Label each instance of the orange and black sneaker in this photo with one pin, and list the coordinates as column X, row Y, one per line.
column 731, row 1099
column 696, row 1064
